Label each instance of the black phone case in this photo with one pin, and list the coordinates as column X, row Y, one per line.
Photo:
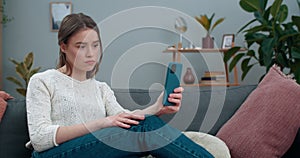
column 173, row 76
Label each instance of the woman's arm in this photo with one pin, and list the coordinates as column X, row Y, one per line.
column 124, row 120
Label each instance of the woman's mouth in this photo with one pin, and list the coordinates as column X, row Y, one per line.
column 90, row 62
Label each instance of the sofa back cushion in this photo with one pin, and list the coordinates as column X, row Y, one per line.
column 224, row 101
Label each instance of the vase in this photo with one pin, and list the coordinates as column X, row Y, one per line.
column 188, row 77
column 207, row 42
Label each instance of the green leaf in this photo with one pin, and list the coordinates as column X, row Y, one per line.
column 15, row 80
column 267, row 50
column 288, row 35
column 22, row 91
column 275, row 7
column 217, row 23
column 14, row 61
column 296, row 21
column 246, row 70
column 258, row 16
column 295, row 53
column 251, row 53
column 228, row 54
column 245, row 63
column 283, row 14
column 22, row 70
column 211, row 18
column 254, row 37
column 250, row 5
column 235, row 60
column 282, row 60
column 256, row 29
column 28, row 60
column 267, row 14
column 33, row 71
column 295, row 70
column 250, row 22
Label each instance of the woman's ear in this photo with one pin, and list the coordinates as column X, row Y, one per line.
column 63, row 47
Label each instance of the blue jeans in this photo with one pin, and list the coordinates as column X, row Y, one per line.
column 151, row 136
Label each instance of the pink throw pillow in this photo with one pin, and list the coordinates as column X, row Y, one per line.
column 3, row 105
column 3, row 97
column 267, row 122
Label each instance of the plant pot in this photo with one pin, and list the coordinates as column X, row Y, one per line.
column 207, row 42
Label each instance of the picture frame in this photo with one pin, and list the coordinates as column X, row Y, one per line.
column 58, row 10
column 227, row 41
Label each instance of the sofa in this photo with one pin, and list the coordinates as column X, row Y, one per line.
column 204, row 109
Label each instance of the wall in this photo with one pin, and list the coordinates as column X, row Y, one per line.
column 134, row 34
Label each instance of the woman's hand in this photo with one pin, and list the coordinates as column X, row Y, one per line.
column 124, row 120
column 175, row 98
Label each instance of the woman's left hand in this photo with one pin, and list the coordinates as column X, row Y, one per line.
column 175, row 97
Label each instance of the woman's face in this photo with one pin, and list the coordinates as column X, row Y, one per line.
column 82, row 50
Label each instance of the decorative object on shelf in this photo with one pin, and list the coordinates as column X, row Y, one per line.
column 213, row 77
column 228, row 41
column 58, row 10
column 24, row 71
column 188, row 77
column 181, row 27
column 272, row 39
column 208, row 42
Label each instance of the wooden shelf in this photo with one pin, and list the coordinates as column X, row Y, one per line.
column 210, row 84
column 179, row 50
column 189, row 50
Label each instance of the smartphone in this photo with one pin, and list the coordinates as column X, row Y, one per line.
column 173, row 76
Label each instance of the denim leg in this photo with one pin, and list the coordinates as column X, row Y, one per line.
column 92, row 146
column 151, row 136
column 165, row 141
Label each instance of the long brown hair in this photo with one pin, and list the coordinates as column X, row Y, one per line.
column 70, row 25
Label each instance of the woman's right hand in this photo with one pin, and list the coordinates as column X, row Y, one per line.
column 124, row 120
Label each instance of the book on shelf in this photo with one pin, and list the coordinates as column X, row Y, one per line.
column 214, row 73
column 212, row 82
column 213, row 77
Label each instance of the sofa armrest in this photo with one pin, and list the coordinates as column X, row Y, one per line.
column 13, row 130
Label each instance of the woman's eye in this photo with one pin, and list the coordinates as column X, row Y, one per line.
column 96, row 45
column 81, row 46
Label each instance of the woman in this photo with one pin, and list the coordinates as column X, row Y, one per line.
column 70, row 114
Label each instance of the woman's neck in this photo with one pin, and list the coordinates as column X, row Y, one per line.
column 78, row 75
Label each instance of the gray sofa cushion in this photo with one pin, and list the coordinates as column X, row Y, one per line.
column 195, row 105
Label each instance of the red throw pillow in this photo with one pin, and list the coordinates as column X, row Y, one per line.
column 267, row 122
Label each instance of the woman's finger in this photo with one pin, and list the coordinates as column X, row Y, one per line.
column 129, row 121
column 176, row 95
column 178, row 90
column 174, row 100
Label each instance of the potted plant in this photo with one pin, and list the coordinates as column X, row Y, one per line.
column 278, row 40
column 5, row 18
column 25, row 71
column 208, row 42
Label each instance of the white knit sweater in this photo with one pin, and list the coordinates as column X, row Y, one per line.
column 55, row 99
